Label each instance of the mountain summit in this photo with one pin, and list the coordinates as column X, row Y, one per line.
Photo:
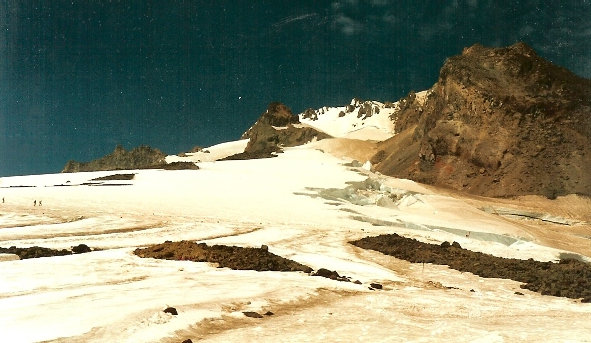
column 498, row 122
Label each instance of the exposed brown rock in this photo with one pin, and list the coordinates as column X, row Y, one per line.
column 225, row 256
column 376, row 285
column 142, row 157
column 277, row 114
column 499, row 122
column 81, row 249
column 275, row 129
column 331, row 274
column 568, row 278
column 176, row 166
column 251, row 314
column 311, row 114
column 115, row 177
column 120, row 159
column 171, row 310
column 36, row 252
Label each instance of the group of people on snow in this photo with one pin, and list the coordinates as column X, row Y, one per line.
column 35, row 202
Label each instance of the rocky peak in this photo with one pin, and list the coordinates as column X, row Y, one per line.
column 275, row 129
column 519, row 48
column 517, row 66
column 119, row 150
column 278, row 114
column 499, row 121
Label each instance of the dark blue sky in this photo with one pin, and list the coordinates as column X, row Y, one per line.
column 79, row 77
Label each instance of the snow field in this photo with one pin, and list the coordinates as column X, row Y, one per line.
column 113, row 295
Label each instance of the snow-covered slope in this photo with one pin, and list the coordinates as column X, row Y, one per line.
column 364, row 120
column 303, row 205
column 213, row 153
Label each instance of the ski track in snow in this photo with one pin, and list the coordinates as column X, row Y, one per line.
column 112, row 295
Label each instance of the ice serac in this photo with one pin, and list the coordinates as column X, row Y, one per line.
column 138, row 158
column 277, row 127
column 498, row 122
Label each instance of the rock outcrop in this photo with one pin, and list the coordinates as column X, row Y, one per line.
column 499, row 122
column 276, row 128
column 141, row 157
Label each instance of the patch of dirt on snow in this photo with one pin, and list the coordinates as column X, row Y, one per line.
column 209, row 328
column 347, row 148
column 569, row 278
column 238, row 258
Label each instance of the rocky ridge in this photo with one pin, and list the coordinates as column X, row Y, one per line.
column 142, row 157
column 365, row 120
column 277, row 127
column 498, row 122
column 361, row 109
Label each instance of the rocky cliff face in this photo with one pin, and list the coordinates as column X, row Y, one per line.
column 139, row 158
column 277, row 127
column 499, row 122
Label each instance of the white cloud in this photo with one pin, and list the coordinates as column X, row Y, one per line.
column 343, row 22
column 292, row 19
column 347, row 25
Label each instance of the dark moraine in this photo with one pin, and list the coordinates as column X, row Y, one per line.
column 569, row 278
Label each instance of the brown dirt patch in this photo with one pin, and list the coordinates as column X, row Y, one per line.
column 350, row 148
column 210, row 327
